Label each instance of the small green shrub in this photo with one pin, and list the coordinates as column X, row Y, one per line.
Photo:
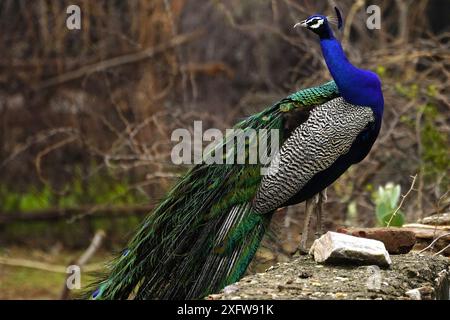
column 386, row 200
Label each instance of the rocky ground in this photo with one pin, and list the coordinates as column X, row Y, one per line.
column 411, row 276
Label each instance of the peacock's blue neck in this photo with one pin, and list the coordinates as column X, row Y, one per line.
column 357, row 86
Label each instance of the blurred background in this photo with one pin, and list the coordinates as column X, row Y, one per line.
column 86, row 116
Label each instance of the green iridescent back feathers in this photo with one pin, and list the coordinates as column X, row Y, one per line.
column 167, row 254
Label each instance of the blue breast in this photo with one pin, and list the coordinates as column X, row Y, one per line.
column 358, row 87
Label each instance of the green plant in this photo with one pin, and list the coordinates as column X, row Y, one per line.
column 99, row 190
column 386, row 201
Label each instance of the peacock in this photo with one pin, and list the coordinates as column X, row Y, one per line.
column 206, row 230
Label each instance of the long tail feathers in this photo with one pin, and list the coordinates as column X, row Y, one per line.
column 200, row 259
column 234, row 246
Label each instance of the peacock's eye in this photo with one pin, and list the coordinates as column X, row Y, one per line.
column 315, row 23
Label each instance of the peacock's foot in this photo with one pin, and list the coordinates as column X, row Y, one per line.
column 301, row 251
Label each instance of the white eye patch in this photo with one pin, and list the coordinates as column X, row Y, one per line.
column 317, row 24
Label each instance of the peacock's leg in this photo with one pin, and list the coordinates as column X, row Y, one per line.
column 302, row 249
column 321, row 199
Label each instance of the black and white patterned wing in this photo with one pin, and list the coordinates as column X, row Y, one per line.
column 313, row 147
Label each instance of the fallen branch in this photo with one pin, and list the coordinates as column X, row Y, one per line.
column 24, row 263
column 69, row 213
column 83, row 259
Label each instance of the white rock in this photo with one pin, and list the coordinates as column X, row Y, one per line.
column 230, row 289
column 333, row 247
column 414, row 294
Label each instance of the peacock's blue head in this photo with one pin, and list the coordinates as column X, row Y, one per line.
column 319, row 24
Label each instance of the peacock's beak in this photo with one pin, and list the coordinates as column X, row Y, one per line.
column 301, row 23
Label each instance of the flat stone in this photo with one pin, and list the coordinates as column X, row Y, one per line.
column 442, row 219
column 336, row 247
column 396, row 240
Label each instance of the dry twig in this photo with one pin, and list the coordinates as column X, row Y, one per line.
column 403, row 199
